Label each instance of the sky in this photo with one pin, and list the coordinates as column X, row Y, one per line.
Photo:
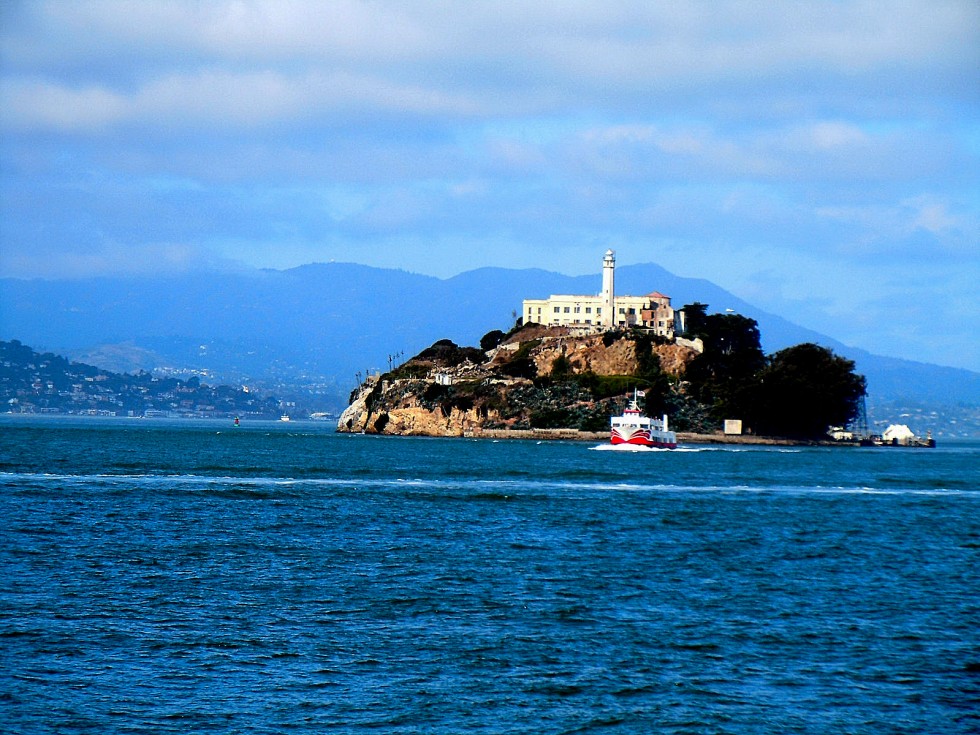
column 821, row 160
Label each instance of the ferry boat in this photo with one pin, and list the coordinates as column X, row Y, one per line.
column 633, row 428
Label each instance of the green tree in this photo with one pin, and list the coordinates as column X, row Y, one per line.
column 723, row 375
column 658, row 395
column 561, row 367
column 803, row 390
column 695, row 319
column 491, row 339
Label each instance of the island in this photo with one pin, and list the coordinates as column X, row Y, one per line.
column 571, row 361
column 554, row 382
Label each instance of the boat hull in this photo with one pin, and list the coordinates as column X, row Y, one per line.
column 642, row 439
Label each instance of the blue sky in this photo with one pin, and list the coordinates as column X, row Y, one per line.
column 819, row 159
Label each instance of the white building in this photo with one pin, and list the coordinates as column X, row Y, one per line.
column 604, row 311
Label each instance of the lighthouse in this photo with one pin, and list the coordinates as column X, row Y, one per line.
column 603, row 311
column 608, row 290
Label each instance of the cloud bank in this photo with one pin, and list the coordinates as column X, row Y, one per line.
column 819, row 159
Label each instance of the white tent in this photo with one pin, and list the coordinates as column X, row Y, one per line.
column 898, row 434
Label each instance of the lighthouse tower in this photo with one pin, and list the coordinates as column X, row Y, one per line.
column 608, row 290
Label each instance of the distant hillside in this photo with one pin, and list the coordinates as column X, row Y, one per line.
column 45, row 383
column 320, row 325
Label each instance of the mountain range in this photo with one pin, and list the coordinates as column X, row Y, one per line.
column 327, row 324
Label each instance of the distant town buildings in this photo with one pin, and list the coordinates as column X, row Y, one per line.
column 604, row 311
column 33, row 383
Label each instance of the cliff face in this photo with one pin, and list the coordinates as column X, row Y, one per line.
column 600, row 354
column 587, row 354
column 675, row 357
column 408, row 407
column 452, row 391
column 409, row 416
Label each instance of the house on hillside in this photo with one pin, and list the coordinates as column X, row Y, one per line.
column 604, row 311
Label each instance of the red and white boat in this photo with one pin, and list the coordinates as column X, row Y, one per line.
column 633, row 428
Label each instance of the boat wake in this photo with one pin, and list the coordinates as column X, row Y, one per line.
column 628, row 448
column 681, row 449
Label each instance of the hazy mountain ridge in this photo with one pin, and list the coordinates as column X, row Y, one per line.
column 334, row 320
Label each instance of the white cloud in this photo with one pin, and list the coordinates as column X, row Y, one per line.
column 836, row 134
column 932, row 216
column 813, row 138
column 113, row 258
column 221, row 98
column 41, row 105
column 894, row 229
column 482, row 57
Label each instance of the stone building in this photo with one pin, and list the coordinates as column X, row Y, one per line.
column 604, row 311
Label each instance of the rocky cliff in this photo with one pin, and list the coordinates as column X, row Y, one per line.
column 538, row 377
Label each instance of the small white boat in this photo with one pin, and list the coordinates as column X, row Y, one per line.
column 633, row 428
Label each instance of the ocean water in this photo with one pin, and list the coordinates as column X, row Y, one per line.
column 190, row 577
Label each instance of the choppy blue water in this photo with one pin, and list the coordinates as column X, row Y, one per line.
column 191, row 577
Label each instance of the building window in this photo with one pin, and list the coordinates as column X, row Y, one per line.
column 588, row 309
column 632, row 311
column 558, row 310
column 598, row 311
column 566, row 310
column 578, row 309
column 622, row 310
